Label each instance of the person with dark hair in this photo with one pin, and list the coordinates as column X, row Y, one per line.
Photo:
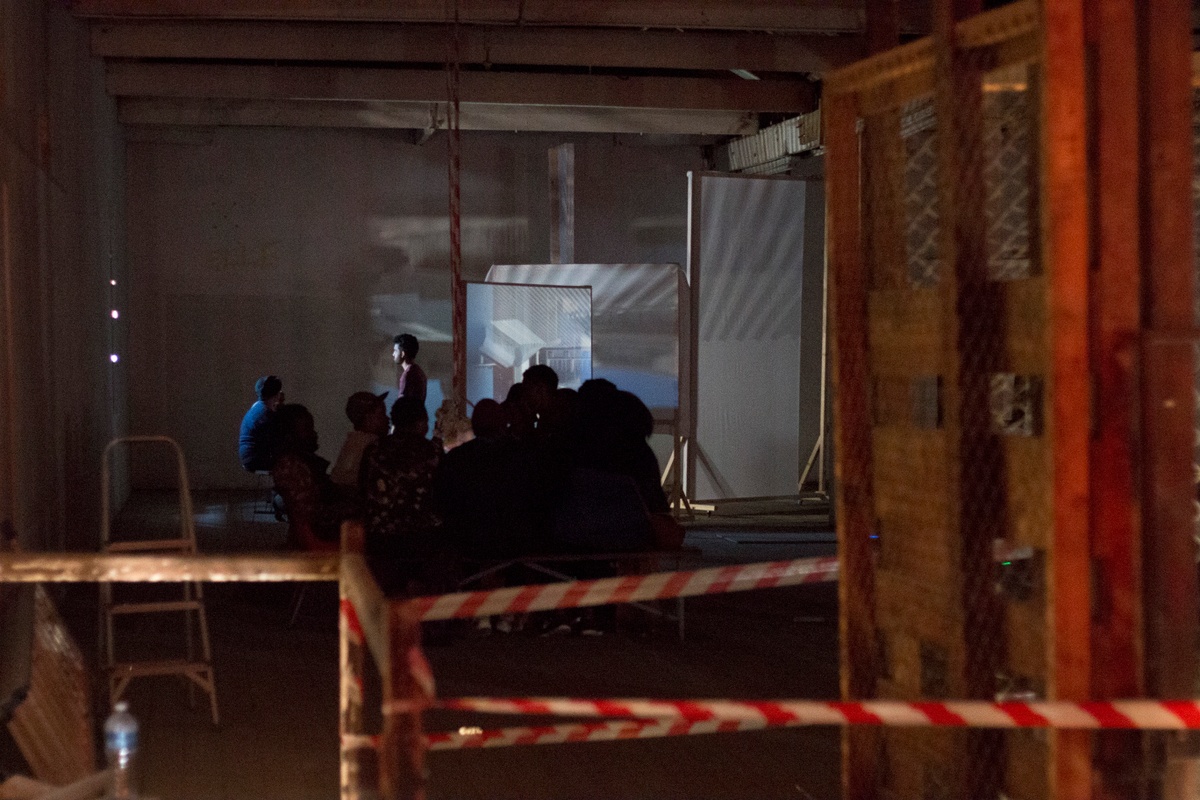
column 315, row 509
column 518, row 419
column 397, row 481
column 368, row 414
column 410, row 378
column 483, row 490
column 612, row 499
column 258, row 440
column 487, row 421
column 540, row 382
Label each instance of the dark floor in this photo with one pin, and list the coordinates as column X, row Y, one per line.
column 277, row 686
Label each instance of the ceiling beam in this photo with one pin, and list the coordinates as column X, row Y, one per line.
column 426, row 116
column 828, row 16
column 427, row 43
column 261, row 82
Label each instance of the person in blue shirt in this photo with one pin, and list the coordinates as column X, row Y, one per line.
column 258, row 442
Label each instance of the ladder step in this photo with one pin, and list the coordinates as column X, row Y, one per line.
column 152, row 546
column 152, row 607
column 147, row 668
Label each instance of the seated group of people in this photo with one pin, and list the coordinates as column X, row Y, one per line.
column 549, row 470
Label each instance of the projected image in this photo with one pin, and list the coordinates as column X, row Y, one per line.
column 511, row 327
column 635, row 309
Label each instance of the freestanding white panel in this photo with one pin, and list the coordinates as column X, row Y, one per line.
column 749, row 253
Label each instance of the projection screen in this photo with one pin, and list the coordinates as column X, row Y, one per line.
column 635, row 323
column 511, row 327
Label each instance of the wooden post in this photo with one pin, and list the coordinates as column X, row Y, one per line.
column 852, row 437
column 1167, row 402
column 1065, row 248
column 562, row 204
column 1115, row 516
column 1172, row 606
column 407, row 689
column 351, row 644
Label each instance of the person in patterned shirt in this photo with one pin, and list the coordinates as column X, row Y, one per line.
column 397, row 480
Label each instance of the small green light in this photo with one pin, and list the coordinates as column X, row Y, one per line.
column 1006, row 563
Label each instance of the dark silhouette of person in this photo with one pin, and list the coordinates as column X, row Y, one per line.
column 315, row 508
column 484, row 490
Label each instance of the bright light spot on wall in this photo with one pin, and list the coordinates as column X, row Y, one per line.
column 115, row 313
column 114, row 358
column 113, row 282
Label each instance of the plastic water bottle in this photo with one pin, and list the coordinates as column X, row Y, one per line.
column 121, row 745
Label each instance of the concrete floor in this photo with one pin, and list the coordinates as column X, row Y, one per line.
column 277, row 686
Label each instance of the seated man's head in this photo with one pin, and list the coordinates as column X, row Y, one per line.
column 487, row 421
column 297, row 430
column 368, row 413
column 540, row 382
column 270, row 390
column 410, row 417
column 404, row 348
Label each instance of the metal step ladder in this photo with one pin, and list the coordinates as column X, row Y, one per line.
column 196, row 669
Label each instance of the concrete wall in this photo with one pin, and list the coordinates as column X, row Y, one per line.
column 60, row 165
column 301, row 252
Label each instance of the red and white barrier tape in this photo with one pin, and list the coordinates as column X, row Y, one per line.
column 1117, row 714
column 469, row 738
column 476, row 738
column 631, row 588
column 661, row 718
column 354, row 628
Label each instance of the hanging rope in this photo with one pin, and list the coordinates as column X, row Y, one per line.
column 454, row 160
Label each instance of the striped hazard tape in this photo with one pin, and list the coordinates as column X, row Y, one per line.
column 1117, row 714
column 627, row 589
column 651, row 719
column 473, row 738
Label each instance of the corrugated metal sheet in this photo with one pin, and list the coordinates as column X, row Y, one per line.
column 776, row 143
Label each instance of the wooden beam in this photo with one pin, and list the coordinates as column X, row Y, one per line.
column 474, row 116
column 1066, row 236
column 92, row 567
column 369, row 605
column 385, row 43
column 225, row 81
column 848, row 287
column 407, row 688
column 1172, row 605
column 762, row 15
column 1166, row 114
column 1118, row 627
column 351, row 646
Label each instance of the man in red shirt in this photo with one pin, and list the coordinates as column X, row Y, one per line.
column 410, row 379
